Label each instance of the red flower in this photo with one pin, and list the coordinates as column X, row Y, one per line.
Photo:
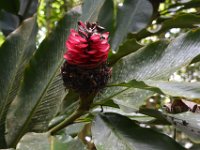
column 88, row 47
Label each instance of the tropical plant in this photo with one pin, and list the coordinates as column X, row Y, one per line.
column 150, row 40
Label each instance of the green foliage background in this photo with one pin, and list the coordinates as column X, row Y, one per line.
column 155, row 51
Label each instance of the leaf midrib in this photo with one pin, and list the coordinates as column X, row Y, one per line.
column 26, row 123
column 2, row 111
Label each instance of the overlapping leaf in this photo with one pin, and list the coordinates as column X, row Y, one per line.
column 122, row 133
column 15, row 53
column 158, row 60
column 130, row 18
column 178, row 21
column 41, row 89
column 187, row 122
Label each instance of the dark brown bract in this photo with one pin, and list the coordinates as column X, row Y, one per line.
column 85, row 80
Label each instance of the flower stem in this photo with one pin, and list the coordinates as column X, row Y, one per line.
column 84, row 106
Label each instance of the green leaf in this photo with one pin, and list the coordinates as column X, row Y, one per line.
column 131, row 99
column 74, row 129
column 187, row 122
column 158, row 60
column 91, row 9
column 129, row 46
column 142, row 64
column 68, row 106
column 178, row 21
column 108, row 93
column 33, row 141
column 179, row 89
column 154, row 113
column 133, row 16
column 27, row 8
column 65, row 142
column 42, row 88
column 106, row 16
column 172, row 88
column 70, row 98
column 14, row 55
column 184, row 5
column 123, row 133
column 8, row 22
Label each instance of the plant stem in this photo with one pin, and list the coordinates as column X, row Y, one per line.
column 84, row 106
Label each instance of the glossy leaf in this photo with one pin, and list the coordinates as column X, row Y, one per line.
column 178, row 21
column 33, row 141
column 42, row 89
column 131, row 99
column 158, row 60
column 130, row 18
column 187, row 122
column 68, row 106
column 129, row 46
column 181, row 89
column 176, row 89
column 106, row 16
column 14, row 54
column 123, row 133
column 91, row 9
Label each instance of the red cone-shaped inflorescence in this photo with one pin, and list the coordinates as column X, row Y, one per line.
column 85, row 69
column 88, row 47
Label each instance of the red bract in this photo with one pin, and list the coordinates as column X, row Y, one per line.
column 88, row 47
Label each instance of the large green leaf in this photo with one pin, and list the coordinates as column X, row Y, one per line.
column 91, row 9
column 68, row 106
column 187, row 122
column 33, row 141
column 132, row 99
column 133, row 16
column 122, row 133
column 181, row 89
column 155, row 62
column 129, row 46
column 106, row 16
column 14, row 54
column 178, row 21
column 177, row 89
column 42, row 88
column 158, row 60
